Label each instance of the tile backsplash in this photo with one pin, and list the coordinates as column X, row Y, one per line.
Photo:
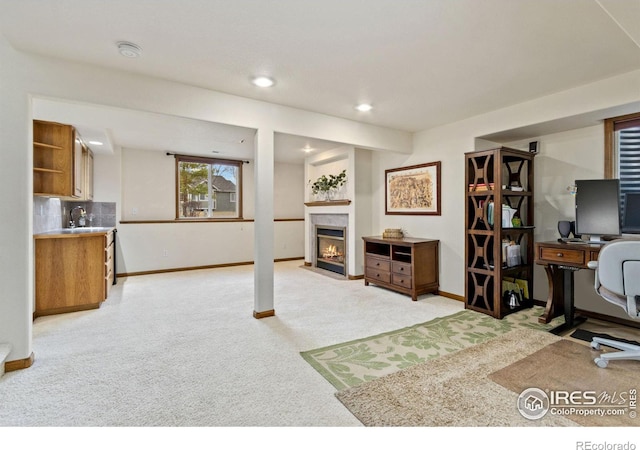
column 52, row 213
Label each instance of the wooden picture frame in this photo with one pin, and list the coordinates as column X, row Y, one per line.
column 413, row 190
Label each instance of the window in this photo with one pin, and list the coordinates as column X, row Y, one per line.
column 207, row 188
column 622, row 153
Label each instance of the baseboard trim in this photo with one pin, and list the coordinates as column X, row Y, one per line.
column 66, row 309
column 263, row 314
column 19, row 364
column 607, row 318
column 460, row 298
column 212, row 266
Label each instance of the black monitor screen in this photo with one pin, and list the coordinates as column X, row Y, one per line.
column 598, row 208
column 631, row 215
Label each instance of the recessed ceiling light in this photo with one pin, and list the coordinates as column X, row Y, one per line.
column 307, row 149
column 129, row 49
column 364, row 107
column 263, row 81
column 95, row 143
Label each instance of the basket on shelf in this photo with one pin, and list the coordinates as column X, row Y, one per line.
column 393, row 233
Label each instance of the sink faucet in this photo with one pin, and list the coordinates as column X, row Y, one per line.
column 81, row 221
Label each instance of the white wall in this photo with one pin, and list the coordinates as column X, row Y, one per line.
column 289, row 186
column 24, row 76
column 161, row 246
column 363, row 202
column 563, row 157
column 16, row 190
column 148, row 187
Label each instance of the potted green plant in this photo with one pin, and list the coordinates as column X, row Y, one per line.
column 327, row 186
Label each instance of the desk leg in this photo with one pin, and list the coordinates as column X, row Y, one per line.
column 567, row 295
column 555, row 299
column 570, row 320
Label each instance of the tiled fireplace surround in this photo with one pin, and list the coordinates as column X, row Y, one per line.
column 332, row 220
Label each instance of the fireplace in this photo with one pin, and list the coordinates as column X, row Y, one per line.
column 331, row 249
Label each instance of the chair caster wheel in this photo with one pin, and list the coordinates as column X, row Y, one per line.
column 602, row 363
column 595, row 345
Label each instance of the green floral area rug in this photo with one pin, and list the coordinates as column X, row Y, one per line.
column 355, row 362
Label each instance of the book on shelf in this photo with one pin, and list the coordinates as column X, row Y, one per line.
column 480, row 187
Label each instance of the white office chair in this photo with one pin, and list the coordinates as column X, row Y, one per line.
column 618, row 281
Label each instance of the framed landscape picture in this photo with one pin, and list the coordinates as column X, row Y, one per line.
column 413, row 189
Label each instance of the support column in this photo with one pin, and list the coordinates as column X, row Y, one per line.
column 264, row 229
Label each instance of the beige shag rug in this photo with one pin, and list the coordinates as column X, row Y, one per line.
column 453, row 390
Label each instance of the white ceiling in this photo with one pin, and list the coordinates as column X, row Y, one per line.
column 147, row 131
column 420, row 63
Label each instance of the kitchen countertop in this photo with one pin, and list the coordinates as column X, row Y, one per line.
column 74, row 232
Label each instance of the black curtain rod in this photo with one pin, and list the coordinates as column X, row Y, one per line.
column 209, row 157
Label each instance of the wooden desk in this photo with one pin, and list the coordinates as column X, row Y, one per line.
column 560, row 261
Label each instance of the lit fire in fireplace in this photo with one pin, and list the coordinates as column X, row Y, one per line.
column 332, row 252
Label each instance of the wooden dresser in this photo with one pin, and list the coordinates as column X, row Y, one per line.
column 408, row 265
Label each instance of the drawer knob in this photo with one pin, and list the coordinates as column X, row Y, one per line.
column 401, row 269
column 559, row 255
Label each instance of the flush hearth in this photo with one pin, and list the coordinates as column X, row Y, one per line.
column 331, row 249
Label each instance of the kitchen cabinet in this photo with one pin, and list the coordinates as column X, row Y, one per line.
column 74, row 270
column 61, row 162
column 87, row 175
column 78, row 166
column 53, row 159
column 407, row 265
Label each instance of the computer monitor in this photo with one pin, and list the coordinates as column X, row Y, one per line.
column 631, row 214
column 597, row 209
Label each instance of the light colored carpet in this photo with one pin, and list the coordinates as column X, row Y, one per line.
column 352, row 363
column 568, row 366
column 452, row 390
column 182, row 349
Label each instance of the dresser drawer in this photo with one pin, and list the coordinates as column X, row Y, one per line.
column 401, row 280
column 378, row 264
column 377, row 275
column 108, row 253
column 563, row 256
column 109, row 239
column 108, row 282
column 401, row 268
